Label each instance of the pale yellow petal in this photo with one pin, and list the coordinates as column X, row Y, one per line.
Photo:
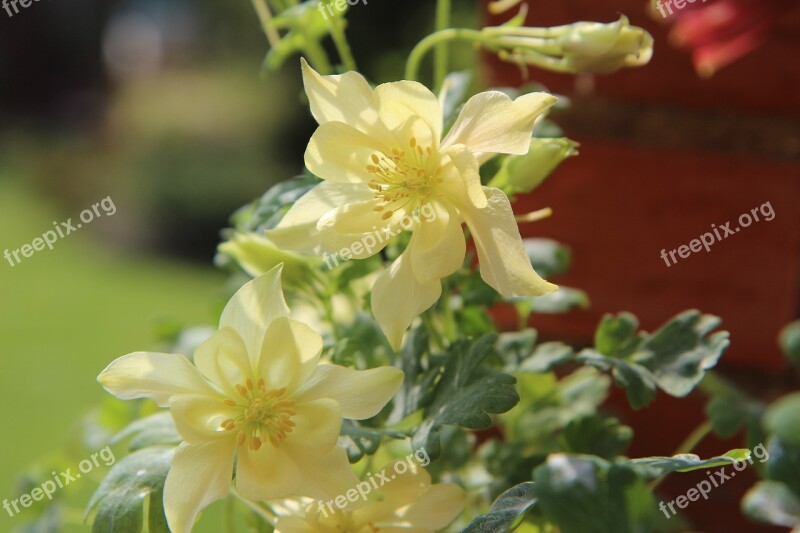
column 223, row 360
column 398, row 298
column 467, row 170
column 400, row 491
column 317, row 426
column 503, row 260
column 267, row 474
column 153, row 375
column 361, row 394
column 289, row 354
column 340, row 153
column 253, row 308
column 398, row 101
column 199, row 418
column 437, row 248
column 298, row 228
column 492, row 122
column 357, row 230
column 324, row 476
column 344, row 98
column 200, row 475
column 441, row 505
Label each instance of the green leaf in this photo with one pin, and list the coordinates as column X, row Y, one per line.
column 153, row 430
column 507, row 511
column 674, row 358
column 360, row 441
column 563, row 300
column 520, row 352
column 772, row 503
column 585, row 493
column 653, row 467
column 548, row 257
column 783, row 463
column 782, row 418
column 604, row 437
column 790, row 342
column 465, row 393
column 266, row 212
column 120, row 497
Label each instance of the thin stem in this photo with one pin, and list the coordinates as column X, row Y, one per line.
column 342, row 46
column 425, row 45
column 265, row 17
column 694, row 438
column 316, row 54
column 443, row 9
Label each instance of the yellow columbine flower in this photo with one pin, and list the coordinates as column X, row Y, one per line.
column 382, row 157
column 407, row 503
column 257, row 391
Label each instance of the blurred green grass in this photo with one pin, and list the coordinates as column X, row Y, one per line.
column 65, row 315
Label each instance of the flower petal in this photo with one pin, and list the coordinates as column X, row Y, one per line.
column 289, row 354
column 317, row 426
column 358, row 222
column 492, row 122
column 267, row 474
column 223, row 360
column 198, row 418
column 441, row 505
column 401, row 100
column 437, row 248
column 397, row 298
column 298, row 228
column 467, row 170
column 200, row 475
column 340, row 153
column 153, row 375
column 504, row 262
column 253, row 308
column 361, row 394
column 344, row 98
column 324, row 476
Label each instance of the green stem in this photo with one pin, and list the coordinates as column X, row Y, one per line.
column 316, row 54
column 694, row 438
column 443, row 9
column 443, row 36
column 265, row 17
column 342, row 46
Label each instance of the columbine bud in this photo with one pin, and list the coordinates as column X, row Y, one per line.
column 523, row 173
column 256, row 255
column 591, row 47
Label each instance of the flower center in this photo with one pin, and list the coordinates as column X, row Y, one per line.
column 404, row 178
column 266, row 416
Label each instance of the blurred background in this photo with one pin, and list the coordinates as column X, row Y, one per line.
column 159, row 105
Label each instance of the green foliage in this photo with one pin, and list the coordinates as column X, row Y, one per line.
column 506, row 512
column 463, row 393
column 674, row 358
column 521, row 174
column 120, row 497
column 790, row 342
column 360, row 441
column 772, row 503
